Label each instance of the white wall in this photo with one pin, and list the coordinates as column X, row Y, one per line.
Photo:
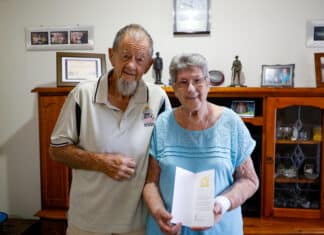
column 260, row 32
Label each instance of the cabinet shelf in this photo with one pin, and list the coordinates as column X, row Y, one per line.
column 283, row 141
column 297, row 213
column 302, row 180
column 256, row 121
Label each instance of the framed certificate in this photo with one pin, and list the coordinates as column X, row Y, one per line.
column 191, row 17
column 72, row 68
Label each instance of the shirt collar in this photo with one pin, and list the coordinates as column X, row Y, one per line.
column 101, row 95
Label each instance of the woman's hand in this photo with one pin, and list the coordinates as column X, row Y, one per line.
column 163, row 218
column 221, row 205
column 217, row 212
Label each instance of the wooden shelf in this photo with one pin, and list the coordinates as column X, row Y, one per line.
column 297, row 213
column 257, row 121
column 297, row 142
column 52, row 214
column 282, row 179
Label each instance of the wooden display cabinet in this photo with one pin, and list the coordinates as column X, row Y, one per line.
column 294, row 163
column 56, row 178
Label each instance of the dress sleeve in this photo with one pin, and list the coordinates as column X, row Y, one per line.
column 243, row 144
column 161, row 125
column 153, row 144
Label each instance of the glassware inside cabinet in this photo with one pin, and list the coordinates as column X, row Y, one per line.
column 298, row 157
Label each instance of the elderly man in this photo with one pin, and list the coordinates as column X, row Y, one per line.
column 103, row 133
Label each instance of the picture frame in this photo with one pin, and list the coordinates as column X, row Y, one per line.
column 279, row 75
column 315, row 33
column 60, row 38
column 191, row 17
column 244, row 108
column 319, row 69
column 72, row 68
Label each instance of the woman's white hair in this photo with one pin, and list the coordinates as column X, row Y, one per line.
column 186, row 61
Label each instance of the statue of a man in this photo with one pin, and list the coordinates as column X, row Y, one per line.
column 236, row 72
column 158, row 66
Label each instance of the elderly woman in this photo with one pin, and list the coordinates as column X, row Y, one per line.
column 199, row 136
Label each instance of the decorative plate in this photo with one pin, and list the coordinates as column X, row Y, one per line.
column 216, row 77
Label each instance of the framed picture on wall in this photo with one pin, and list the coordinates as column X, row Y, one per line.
column 60, row 38
column 72, row 68
column 39, row 38
column 315, row 33
column 319, row 69
column 191, row 17
column 79, row 37
column 279, row 75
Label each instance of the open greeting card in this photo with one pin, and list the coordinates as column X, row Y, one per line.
column 193, row 198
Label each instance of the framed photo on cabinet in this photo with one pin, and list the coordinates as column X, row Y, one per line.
column 319, row 69
column 244, row 108
column 278, row 75
column 72, row 68
column 191, row 17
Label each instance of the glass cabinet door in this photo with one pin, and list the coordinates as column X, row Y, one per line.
column 298, row 157
column 293, row 161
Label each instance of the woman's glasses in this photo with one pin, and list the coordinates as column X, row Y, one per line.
column 196, row 82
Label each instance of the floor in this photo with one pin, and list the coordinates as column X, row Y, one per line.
column 20, row 227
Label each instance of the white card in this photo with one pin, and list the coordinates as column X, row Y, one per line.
column 193, row 198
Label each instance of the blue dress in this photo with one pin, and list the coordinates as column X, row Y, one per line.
column 222, row 147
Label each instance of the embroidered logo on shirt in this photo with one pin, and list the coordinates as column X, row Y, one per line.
column 148, row 116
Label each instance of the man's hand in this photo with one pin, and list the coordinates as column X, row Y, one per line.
column 115, row 165
column 118, row 167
